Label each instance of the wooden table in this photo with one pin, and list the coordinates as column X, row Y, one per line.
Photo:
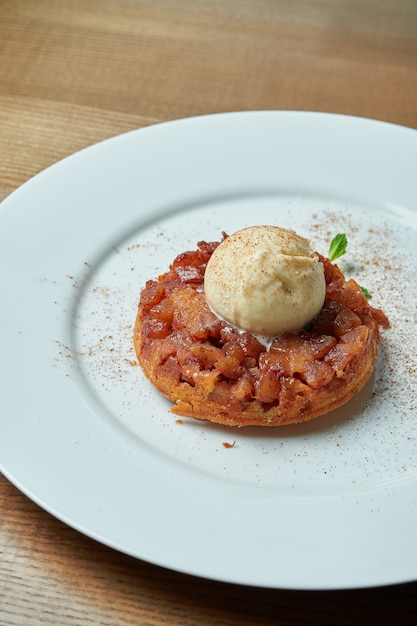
column 73, row 72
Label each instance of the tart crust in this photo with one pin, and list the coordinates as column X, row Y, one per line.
column 211, row 371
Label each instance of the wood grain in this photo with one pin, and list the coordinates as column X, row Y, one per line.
column 87, row 70
column 75, row 72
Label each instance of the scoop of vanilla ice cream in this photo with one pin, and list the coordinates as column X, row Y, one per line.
column 265, row 280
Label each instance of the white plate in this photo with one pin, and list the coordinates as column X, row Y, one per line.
column 328, row 504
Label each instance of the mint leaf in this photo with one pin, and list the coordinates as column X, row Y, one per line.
column 366, row 293
column 337, row 247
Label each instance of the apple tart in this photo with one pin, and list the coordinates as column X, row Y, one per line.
column 212, row 370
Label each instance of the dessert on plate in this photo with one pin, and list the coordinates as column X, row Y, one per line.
column 257, row 329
